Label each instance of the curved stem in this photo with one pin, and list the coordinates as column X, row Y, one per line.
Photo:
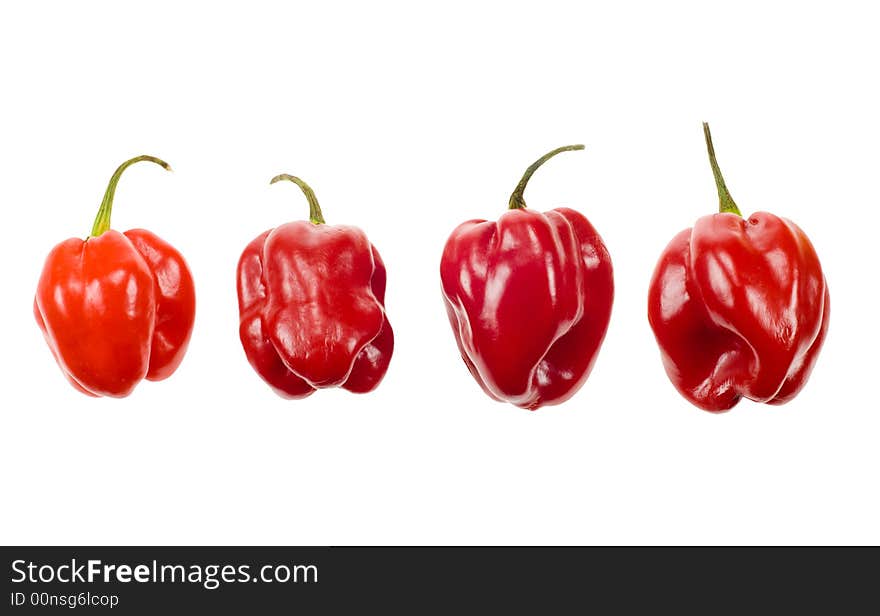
column 726, row 203
column 315, row 214
column 102, row 220
column 516, row 199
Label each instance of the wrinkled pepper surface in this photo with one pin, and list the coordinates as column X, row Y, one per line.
column 739, row 306
column 311, row 303
column 529, row 299
column 117, row 307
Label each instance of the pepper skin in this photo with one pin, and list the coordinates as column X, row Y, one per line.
column 311, row 301
column 739, row 306
column 117, row 307
column 529, row 299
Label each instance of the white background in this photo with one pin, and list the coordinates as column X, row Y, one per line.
column 407, row 120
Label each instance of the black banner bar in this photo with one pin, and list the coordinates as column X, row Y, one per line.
column 317, row 580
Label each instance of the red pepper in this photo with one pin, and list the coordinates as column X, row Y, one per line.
column 739, row 306
column 529, row 299
column 311, row 301
column 117, row 307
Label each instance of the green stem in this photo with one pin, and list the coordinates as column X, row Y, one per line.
column 726, row 203
column 315, row 214
column 516, row 199
column 102, row 220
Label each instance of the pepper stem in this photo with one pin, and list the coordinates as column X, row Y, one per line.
column 516, row 199
column 102, row 220
column 315, row 215
column 726, row 204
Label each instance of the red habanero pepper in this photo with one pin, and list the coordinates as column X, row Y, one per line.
column 115, row 308
column 311, row 303
column 529, row 299
column 739, row 306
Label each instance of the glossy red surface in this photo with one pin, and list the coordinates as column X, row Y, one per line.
column 115, row 309
column 529, row 300
column 739, row 308
column 311, row 303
